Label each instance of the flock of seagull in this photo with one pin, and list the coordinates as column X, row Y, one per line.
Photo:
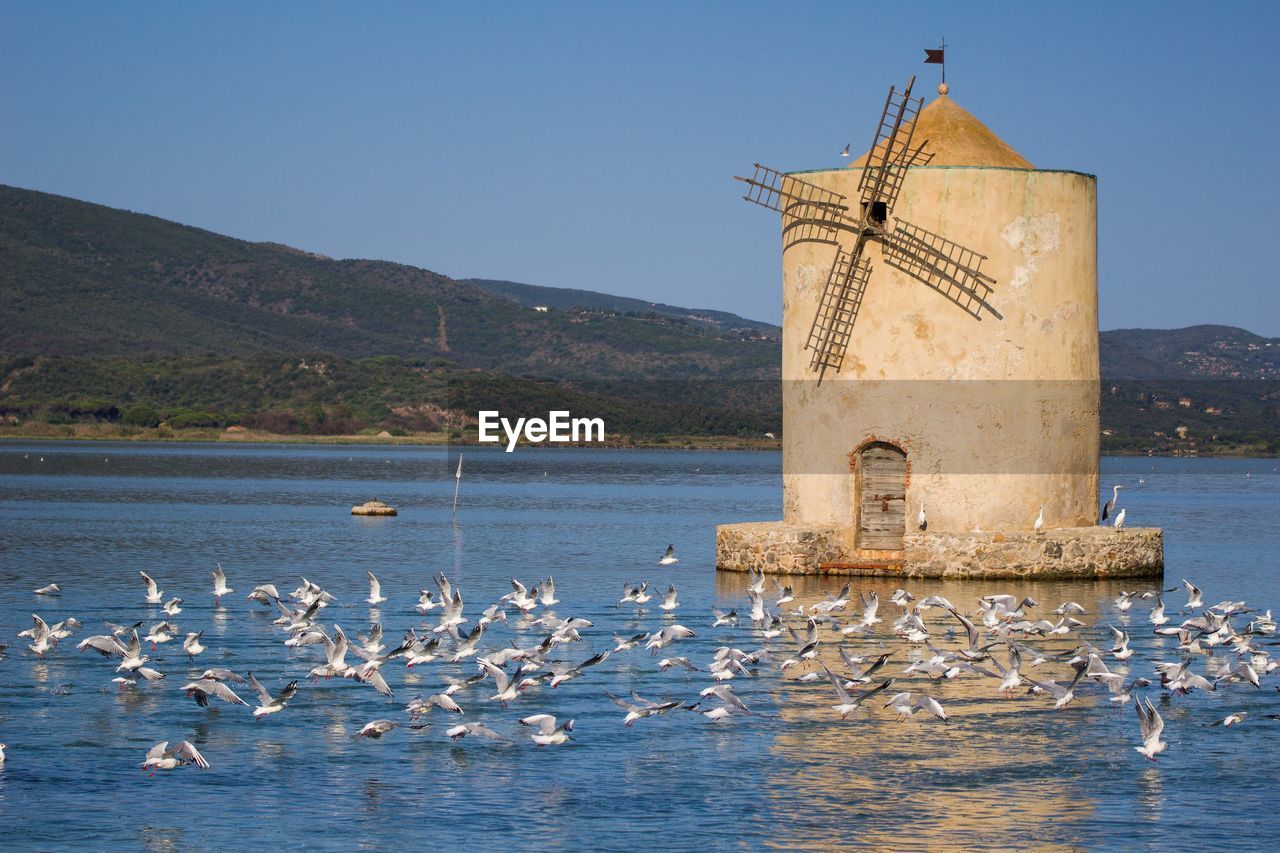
column 1003, row 639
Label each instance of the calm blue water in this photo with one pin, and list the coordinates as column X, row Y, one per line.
column 1006, row 772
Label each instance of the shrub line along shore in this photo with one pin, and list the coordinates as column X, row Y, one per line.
column 86, row 432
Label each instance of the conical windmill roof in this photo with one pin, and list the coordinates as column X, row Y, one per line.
column 957, row 138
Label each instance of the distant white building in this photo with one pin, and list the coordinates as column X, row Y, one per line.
column 544, row 309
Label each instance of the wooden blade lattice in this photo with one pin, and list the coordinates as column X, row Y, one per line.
column 946, row 266
column 809, row 212
column 891, row 152
column 838, row 310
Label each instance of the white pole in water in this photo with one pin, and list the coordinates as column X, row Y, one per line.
column 457, row 482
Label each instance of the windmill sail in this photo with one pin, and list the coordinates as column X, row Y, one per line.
column 946, row 266
column 778, row 191
column 890, row 153
column 838, row 310
column 809, row 212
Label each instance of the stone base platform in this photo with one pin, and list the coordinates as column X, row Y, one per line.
column 1074, row 552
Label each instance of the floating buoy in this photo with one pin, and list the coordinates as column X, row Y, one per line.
column 373, row 507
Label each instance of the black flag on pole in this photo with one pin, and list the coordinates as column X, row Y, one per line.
column 933, row 57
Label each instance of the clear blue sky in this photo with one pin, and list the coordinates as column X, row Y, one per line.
column 592, row 144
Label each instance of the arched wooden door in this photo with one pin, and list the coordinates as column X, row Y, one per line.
column 882, row 497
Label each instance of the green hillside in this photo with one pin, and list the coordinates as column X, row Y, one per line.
column 119, row 317
column 83, row 279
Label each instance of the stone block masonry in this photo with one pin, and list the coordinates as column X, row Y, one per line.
column 1073, row 552
column 1076, row 552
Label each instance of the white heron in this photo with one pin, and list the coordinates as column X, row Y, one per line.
column 1039, row 525
column 921, row 521
column 1119, row 522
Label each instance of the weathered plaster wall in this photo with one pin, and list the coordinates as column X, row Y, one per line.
column 997, row 416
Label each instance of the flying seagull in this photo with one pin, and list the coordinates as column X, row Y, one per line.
column 1152, row 725
column 220, row 587
column 1231, row 719
column 849, row 703
column 375, row 590
column 160, row 757
column 640, row 707
column 377, row 728
column 669, row 557
column 267, row 703
column 154, row 595
column 201, row 689
column 461, row 731
column 906, row 704
column 548, row 733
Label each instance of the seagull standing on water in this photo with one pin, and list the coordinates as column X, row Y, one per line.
column 1111, row 504
column 51, row 589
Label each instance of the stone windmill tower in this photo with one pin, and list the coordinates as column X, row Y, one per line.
column 940, row 352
